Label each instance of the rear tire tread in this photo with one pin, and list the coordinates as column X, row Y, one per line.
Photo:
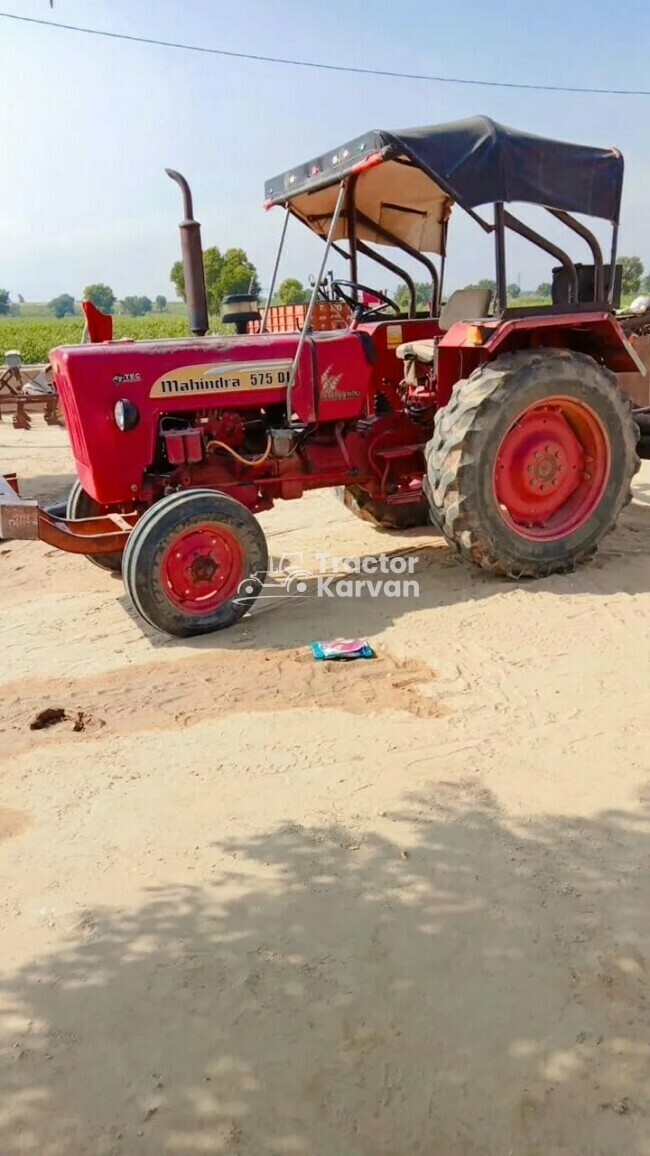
column 451, row 457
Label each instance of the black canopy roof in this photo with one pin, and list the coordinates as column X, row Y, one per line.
column 472, row 162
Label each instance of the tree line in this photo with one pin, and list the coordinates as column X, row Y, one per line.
column 101, row 295
column 633, row 280
column 233, row 272
column 104, row 298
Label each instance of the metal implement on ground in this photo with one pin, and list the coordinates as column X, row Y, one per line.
column 24, row 392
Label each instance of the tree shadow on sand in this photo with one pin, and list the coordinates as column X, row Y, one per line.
column 447, row 985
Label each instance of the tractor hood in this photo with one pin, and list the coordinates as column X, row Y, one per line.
column 159, row 378
column 179, row 368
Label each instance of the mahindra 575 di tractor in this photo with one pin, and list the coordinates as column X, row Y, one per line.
column 505, row 426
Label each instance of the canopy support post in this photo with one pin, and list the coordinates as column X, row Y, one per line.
column 436, row 304
column 500, row 255
column 274, row 274
column 408, row 249
column 612, row 265
column 352, row 234
column 314, row 293
column 518, row 226
column 366, row 251
column 596, row 251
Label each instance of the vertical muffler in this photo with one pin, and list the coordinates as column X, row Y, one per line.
column 195, row 297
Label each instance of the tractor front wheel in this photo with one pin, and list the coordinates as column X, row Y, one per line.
column 195, row 562
column 81, row 505
column 531, row 462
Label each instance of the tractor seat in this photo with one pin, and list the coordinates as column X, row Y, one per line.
column 463, row 305
column 423, row 351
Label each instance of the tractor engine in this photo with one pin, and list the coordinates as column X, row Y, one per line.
column 256, row 459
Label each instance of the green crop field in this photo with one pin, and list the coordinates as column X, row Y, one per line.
column 35, row 337
column 40, row 309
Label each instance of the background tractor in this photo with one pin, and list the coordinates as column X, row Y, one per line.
column 505, row 426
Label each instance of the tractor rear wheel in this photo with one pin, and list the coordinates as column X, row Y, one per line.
column 382, row 514
column 195, row 562
column 531, row 462
column 81, row 505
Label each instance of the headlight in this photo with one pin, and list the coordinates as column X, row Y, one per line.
column 126, row 415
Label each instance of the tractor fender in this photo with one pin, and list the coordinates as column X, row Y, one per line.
column 468, row 344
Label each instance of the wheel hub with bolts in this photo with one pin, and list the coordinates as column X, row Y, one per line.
column 202, row 567
column 551, row 468
column 195, row 562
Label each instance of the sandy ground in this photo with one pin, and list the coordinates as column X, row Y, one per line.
column 267, row 907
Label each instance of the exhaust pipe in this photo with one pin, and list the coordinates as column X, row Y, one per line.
column 197, row 306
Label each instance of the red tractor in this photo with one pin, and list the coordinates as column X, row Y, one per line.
column 504, row 426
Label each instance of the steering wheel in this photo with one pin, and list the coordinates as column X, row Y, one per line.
column 339, row 291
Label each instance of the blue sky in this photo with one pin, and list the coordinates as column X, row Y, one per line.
column 88, row 125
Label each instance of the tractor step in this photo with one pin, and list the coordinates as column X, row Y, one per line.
column 405, row 498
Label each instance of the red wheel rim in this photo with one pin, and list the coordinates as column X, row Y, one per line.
column 202, row 568
column 551, row 469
